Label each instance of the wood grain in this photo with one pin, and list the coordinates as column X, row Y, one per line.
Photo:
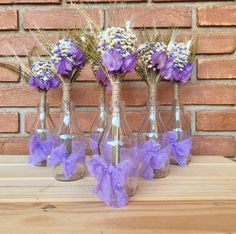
column 199, row 198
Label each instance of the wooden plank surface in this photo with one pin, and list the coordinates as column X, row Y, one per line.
column 199, row 198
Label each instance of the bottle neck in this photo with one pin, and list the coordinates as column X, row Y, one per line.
column 152, row 93
column 102, row 96
column 115, row 99
column 153, row 120
column 67, row 86
column 176, row 92
column 42, row 114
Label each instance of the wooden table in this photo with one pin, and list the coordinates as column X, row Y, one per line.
column 200, row 198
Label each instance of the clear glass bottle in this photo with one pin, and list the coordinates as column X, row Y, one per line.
column 40, row 143
column 154, row 151
column 118, row 143
column 69, row 147
column 97, row 128
column 180, row 139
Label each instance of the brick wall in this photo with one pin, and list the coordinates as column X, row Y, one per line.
column 209, row 98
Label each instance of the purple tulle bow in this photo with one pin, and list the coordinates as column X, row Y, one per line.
column 153, row 157
column 111, row 180
column 60, row 155
column 93, row 144
column 180, row 149
column 39, row 150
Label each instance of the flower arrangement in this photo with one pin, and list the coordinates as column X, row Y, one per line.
column 113, row 52
column 153, row 152
column 178, row 70
column 69, row 144
column 43, row 78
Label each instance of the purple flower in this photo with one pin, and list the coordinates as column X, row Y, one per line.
column 67, row 56
column 112, row 60
column 166, row 71
column 64, row 66
column 159, row 59
column 101, row 77
column 54, row 82
column 182, row 75
column 80, row 58
column 129, row 63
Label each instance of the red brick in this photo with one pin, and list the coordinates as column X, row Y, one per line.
column 216, row 120
column 8, row 20
column 213, row 145
column 30, row 1
column 216, row 69
column 9, row 122
column 135, row 94
column 21, row 45
column 217, row 15
column 7, row 75
column 148, row 17
column 202, row 94
column 82, row 95
column 14, row 146
column 59, row 18
column 216, row 43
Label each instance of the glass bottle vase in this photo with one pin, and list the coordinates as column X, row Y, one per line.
column 69, row 147
column 154, row 151
column 40, row 143
column 119, row 145
column 180, row 139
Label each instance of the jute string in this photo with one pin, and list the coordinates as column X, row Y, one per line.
column 42, row 111
column 115, row 99
column 115, row 128
column 66, row 104
column 66, row 92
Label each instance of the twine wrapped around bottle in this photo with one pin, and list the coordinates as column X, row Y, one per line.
column 177, row 109
column 42, row 111
column 115, row 121
column 66, row 99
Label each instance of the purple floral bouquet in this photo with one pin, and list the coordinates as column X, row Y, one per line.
column 43, row 78
column 114, row 55
column 69, row 59
column 179, row 67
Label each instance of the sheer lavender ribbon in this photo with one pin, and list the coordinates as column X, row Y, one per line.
column 180, row 149
column 153, row 157
column 39, row 150
column 60, row 155
column 111, row 180
column 93, row 144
